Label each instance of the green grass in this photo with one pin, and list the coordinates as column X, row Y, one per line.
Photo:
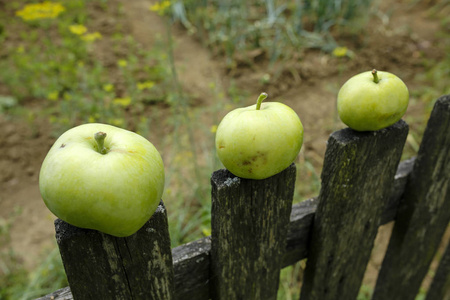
column 49, row 61
column 18, row 283
column 44, row 62
column 279, row 28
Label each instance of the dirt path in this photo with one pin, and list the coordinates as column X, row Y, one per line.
column 194, row 64
column 393, row 46
column 23, row 150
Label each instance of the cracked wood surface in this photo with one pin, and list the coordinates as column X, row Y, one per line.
column 191, row 261
column 101, row 266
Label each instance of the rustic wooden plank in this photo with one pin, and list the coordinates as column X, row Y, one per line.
column 61, row 294
column 298, row 236
column 191, row 267
column 423, row 214
column 401, row 177
column 357, row 179
column 302, row 216
column 440, row 287
column 192, row 261
column 101, row 266
column 249, row 223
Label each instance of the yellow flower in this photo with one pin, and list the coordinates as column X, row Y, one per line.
column 44, row 10
column 122, row 63
column 108, row 87
column 20, row 49
column 126, row 101
column 206, row 231
column 340, row 51
column 90, row 37
column 145, row 85
column 117, row 122
column 160, row 7
column 77, row 29
column 53, row 96
column 213, row 129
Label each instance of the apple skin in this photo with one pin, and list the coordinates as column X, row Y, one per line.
column 257, row 144
column 115, row 193
column 364, row 105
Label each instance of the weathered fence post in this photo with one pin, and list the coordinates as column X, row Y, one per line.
column 101, row 266
column 250, row 221
column 423, row 214
column 357, row 178
column 440, row 287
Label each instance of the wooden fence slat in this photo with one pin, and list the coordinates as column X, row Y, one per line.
column 192, row 261
column 440, row 287
column 191, row 267
column 357, row 178
column 101, row 266
column 249, row 223
column 423, row 214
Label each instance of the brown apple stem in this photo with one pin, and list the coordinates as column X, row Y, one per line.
column 375, row 76
column 100, row 139
column 260, row 100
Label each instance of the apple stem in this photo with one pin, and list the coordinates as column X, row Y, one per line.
column 100, row 139
column 375, row 76
column 260, row 100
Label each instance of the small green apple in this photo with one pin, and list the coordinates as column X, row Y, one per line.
column 102, row 177
column 259, row 141
column 372, row 100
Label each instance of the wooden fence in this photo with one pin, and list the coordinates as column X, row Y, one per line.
column 256, row 231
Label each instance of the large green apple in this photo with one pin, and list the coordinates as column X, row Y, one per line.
column 259, row 141
column 372, row 100
column 102, row 177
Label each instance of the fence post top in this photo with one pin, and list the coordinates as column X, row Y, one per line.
column 348, row 135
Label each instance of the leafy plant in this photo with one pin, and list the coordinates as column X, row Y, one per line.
column 278, row 28
column 54, row 59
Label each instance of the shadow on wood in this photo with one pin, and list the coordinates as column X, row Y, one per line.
column 423, row 215
column 101, row 266
column 249, row 224
column 357, row 179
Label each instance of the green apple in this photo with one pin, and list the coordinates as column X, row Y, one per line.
column 259, row 141
column 372, row 100
column 102, row 177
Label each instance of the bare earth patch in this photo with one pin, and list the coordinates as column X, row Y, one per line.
column 309, row 87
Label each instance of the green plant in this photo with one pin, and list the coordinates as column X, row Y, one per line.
column 48, row 277
column 290, row 281
column 279, row 28
column 365, row 292
column 16, row 282
column 54, row 58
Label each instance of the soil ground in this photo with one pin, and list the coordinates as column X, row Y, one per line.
column 400, row 45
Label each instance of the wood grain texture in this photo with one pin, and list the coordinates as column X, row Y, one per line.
column 101, row 266
column 357, row 179
column 192, row 260
column 440, row 287
column 192, row 269
column 423, row 214
column 249, row 225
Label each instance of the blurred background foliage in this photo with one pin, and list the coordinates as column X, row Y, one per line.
column 54, row 57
